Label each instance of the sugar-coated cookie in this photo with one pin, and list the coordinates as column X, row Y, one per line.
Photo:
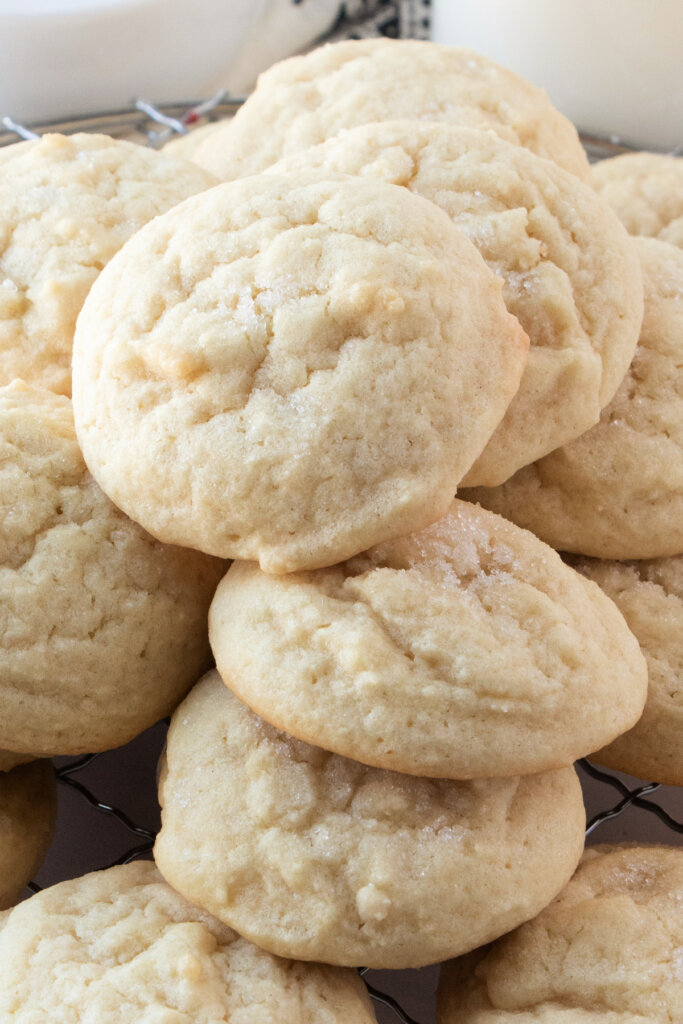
column 314, row 856
column 617, row 491
column 67, row 204
column 121, row 947
column 185, row 146
column 103, row 628
column 646, row 192
column 28, row 809
column 607, row 950
column 290, row 368
column 571, row 274
column 649, row 594
column 302, row 101
column 467, row 650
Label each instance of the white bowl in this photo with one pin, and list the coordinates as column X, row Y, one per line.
column 64, row 57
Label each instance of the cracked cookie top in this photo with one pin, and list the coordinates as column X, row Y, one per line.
column 304, row 100
column 311, row 855
column 67, row 204
column 467, row 650
column 617, row 491
column 102, row 628
column 570, row 273
column 291, row 368
column 608, row 950
column 121, row 945
column 646, row 192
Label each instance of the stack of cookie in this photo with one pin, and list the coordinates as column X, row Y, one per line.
column 297, row 369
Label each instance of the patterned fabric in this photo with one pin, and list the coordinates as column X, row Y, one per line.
column 362, row 19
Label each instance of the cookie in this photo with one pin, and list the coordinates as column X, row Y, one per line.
column 9, row 760
column 310, row 855
column 68, row 203
column 646, row 192
column 649, row 594
column 570, row 273
column 606, row 951
column 467, row 650
column 121, row 945
column 302, row 365
column 617, row 491
column 103, row 628
column 185, row 146
column 28, row 810
column 302, row 101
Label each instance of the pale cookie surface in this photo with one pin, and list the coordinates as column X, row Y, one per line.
column 121, row 947
column 67, row 204
column 291, row 368
column 315, row 856
column 646, row 192
column 608, row 950
column 185, row 146
column 467, row 650
column 649, row 594
column 617, row 491
column 302, row 101
column 28, row 809
column 570, row 273
column 102, row 629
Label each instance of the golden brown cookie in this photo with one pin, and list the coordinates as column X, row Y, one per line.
column 315, row 856
column 67, row 204
column 467, row 650
column 646, row 192
column 28, row 810
column 102, row 628
column 649, row 594
column 607, row 950
column 120, row 945
column 570, row 273
column 617, row 491
column 302, row 101
column 291, row 368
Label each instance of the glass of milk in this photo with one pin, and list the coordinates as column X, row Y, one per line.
column 614, row 67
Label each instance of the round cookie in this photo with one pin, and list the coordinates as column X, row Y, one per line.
column 185, row 146
column 103, row 629
column 570, row 273
column 617, row 491
column 467, row 650
column 121, row 945
column 311, row 855
column 302, row 364
column 646, row 192
column 9, row 760
column 606, row 951
column 649, row 594
column 28, row 811
column 68, row 203
column 304, row 100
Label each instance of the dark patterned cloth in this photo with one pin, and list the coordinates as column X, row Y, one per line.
column 362, row 19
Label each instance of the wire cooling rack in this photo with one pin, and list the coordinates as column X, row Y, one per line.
column 108, row 810
column 108, row 815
